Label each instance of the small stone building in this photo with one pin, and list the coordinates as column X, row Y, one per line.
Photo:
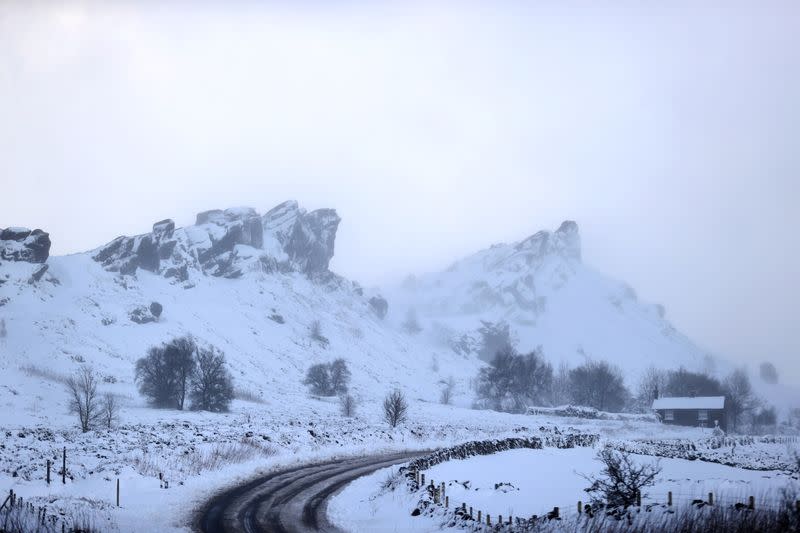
column 697, row 411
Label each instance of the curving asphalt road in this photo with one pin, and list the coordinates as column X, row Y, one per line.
column 291, row 500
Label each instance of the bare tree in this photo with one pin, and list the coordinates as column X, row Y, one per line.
column 164, row 374
column 340, row 376
column 651, row 386
column 622, row 478
column 740, row 398
column 318, row 379
column 598, row 384
column 212, row 384
column 559, row 390
column 348, row 405
column 109, row 410
column 395, row 408
column 447, row 391
column 83, row 400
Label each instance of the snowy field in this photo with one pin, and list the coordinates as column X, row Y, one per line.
column 528, row 482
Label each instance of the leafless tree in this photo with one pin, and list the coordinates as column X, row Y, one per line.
column 315, row 332
column 348, row 405
column 84, row 402
column 109, row 410
column 395, row 408
column 652, row 385
column 165, row 373
column 559, row 390
column 447, row 391
column 212, row 384
column 622, row 478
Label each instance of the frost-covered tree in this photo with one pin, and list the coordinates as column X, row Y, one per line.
column 83, row 398
column 446, row 396
column 212, row 384
column 109, row 410
column 560, row 388
column 347, row 404
column 652, row 384
column 682, row 382
column 514, row 381
column 767, row 371
column 739, row 396
column 494, row 338
column 395, row 408
column 598, row 384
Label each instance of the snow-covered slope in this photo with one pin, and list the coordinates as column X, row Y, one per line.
column 254, row 296
column 549, row 297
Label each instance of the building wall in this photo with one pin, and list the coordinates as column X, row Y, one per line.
column 690, row 417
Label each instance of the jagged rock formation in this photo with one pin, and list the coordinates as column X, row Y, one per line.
column 228, row 243
column 22, row 244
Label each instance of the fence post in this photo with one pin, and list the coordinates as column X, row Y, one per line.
column 470, row 509
column 423, row 480
column 64, row 467
column 555, row 512
column 464, row 506
column 488, row 519
column 797, row 506
column 48, row 471
column 710, row 498
column 500, row 519
column 751, row 504
column 669, row 498
column 446, row 502
column 580, row 507
column 479, row 516
column 117, row 492
column 638, row 498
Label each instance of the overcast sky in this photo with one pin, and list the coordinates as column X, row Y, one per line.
column 671, row 134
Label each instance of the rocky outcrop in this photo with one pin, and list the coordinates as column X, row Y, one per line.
column 565, row 241
column 227, row 243
column 22, row 244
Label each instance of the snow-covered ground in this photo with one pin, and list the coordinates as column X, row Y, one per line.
column 527, row 482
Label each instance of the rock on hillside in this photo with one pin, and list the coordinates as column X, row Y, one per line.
column 22, row 244
column 228, row 243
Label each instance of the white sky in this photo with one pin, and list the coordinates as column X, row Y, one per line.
column 671, row 134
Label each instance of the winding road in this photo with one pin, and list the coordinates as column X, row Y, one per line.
column 290, row 500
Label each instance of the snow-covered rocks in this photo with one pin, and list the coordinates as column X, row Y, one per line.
column 22, row 244
column 229, row 243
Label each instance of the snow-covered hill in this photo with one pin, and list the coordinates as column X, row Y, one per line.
column 549, row 298
column 250, row 285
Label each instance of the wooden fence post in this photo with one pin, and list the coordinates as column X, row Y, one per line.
column 446, row 502
column 64, row 467
column 117, row 492
column 751, row 503
column 500, row 519
column 423, row 480
column 48, row 471
column 710, row 498
column 488, row 519
column 470, row 509
column 669, row 498
column 580, row 507
column 555, row 512
column 479, row 516
column 638, row 498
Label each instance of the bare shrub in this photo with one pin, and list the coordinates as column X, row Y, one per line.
column 109, row 410
column 622, row 478
column 44, row 373
column 315, row 332
column 395, row 408
column 598, row 384
column 83, row 399
column 347, row 404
